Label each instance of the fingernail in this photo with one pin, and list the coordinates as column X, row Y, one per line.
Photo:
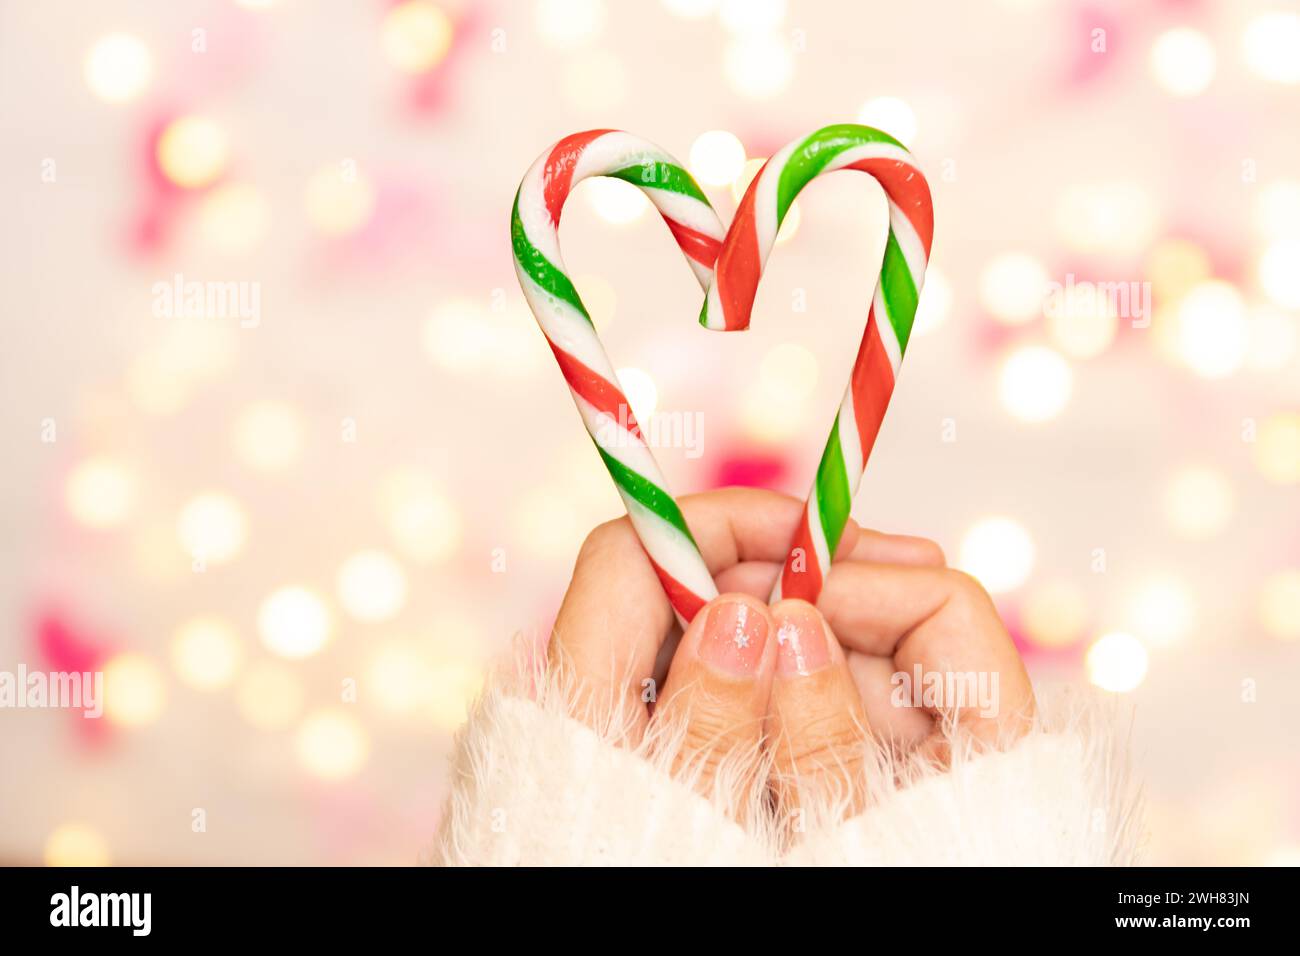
column 733, row 637
column 801, row 646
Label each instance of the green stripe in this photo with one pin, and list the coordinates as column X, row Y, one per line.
column 539, row 268
column 666, row 176
column 811, row 156
column 646, row 493
column 833, row 499
column 899, row 290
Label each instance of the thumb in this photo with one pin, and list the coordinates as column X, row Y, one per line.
column 716, row 695
column 816, row 720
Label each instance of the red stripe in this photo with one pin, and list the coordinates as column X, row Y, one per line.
column 557, row 178
column 908, row 189
column 739, row 268
column 596, row 390
column 805, row 584
column 684, row 601
column 872, row 383
column 703, row 249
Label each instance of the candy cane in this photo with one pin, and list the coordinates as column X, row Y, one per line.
column 534, row 229
column 902, row 271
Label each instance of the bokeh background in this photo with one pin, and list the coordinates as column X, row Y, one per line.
column 294, row 537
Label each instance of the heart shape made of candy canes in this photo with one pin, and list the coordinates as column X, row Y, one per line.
column 738, row 258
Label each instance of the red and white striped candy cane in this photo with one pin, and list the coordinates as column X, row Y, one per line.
column 889, row 321
column 534, row 229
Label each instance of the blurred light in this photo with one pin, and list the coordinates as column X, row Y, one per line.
column 1035, row 383
column 1198, row 502
column 1175, row 265
column 1279, row 605
column 1108, row 218
column 155, row 386
column 205, row 654
column 758, row 65
column 691, row 9
column 770, row 417
column 935, row 303
column 1054, row 614
column 1117, row 662
column 1277, row 448
column 424, row 523
column 1013, row 287
column 751, row 16
column 100, row 492
column 1162, row 612
column 415, row 36
column 400, row 679
column 331, row 744
column 339, row 199
column 567, row 24
column 998, row 552
column 212, row 527
column 193, row 151
column 1279, row 273
column 294, row 622
column 747, row 173
column 717, row 157
column 268, row 436
column 546, row 521
column 75, row 844
column 372, row 586
column 1272, row 46
column 1081, row 321
column 1272, row 336
column 455, row 685
column 1183, row 61
column 118, row 67
column 234, row 218
column 789, row 371
column 134, row 690
column 891, row 115
column 1277, row 207
column 640, row 390
column 599, row 298
column 614, row 200
column 1211, row 330
column 595, row 81
column 269, row 696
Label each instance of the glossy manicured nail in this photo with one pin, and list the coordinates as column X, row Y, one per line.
column 733, row 638
column 801, row 646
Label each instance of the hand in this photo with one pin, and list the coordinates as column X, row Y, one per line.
column 741, row 665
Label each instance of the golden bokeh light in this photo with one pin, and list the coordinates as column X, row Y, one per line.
column 206, row 653
column 454, row 686
column 1162, row 611
column 1273, row 337
column 372, row 586
column 1173, row 266
column 1107, row 218
column 193, row 151
column 212, row 527
column 1279, row 605
column 415, row 36
column 331, row 744
column 1183, row 61
column 1035, row 383
column 740, row 185
column 1279, row 273
column 594, row 80
column 717, row 158
column 599, row 297
column 1211, row 336
column 1117, row 662
column 294, row 622
column 339, row 199
column 269, row 696
column 758, row 65
column 234, row 218
column 76, row 844
column 100, row 492
column 789, row 371
column 1276, row 450
column 118, row 67
column 1198, row 502
column 569, row 24
column 1013, row 288
column 424, row 523
column 1277, row 208
column 1055, row 613
column 268, row 435
column 998, row 552
column 1271, row 45
column 135, row 690
column 1081, row 321
column 890, row 115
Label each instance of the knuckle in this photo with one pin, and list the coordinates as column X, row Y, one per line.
column 932, row 553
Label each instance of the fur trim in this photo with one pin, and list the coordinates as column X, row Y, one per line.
column 546, row 776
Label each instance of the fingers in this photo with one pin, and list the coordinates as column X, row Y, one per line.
column 717, row 692
column 951, row 654
column 816, row 722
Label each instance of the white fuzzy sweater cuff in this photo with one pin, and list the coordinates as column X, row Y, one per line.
column 532, row 786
